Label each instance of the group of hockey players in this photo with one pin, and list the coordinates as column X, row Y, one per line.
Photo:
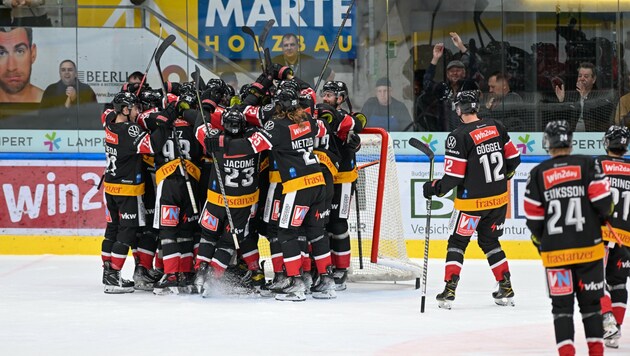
column 577, row 208
column 196, row 173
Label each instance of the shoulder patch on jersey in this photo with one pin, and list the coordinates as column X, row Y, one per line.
column 133, row 131
column 269, row 125
column 268, row 107
column 451, row 141
column 213, row 132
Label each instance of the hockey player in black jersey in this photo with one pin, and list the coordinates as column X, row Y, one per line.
column 617, row 268
column 480, row 158
column 567, row 199
column 174, row 213
column 125, row 142
column 239, row 175
column 290, row 137
column 345, row 139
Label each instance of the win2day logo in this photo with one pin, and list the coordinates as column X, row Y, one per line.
column 53, row 141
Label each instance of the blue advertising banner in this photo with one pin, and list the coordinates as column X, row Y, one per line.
column 315, row 22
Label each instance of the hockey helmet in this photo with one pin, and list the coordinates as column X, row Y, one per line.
column 617, row 138
column 233, row 121
column 557, row 134
column 287, row 98
column 467, row 99
column 124, row 100
column 336, row 86
column 291, row 84
column 186, row 101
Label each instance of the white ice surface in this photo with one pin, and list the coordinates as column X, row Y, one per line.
column 55, row 305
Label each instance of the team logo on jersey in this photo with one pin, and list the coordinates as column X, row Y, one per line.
column 209, row 221
column 275, row 213
column 133, row 131
column 214, row 132
column 169, row 216
column 616, row 168
column 297, row 131
column 484, row 134
column 555, row 176
column 111, row 137
column 108, row 216
column 560, row 282
column 467, row 224
column 269, row 125
column 451, row 142
column 299, row 213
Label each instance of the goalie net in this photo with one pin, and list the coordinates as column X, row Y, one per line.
column 381, row 254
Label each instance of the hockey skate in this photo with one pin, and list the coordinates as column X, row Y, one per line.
column 113, row 282
column 168, row 284
column 186, row 280
column 504, row 296
column 142, row 279
column 200, row 277
column 610, row 325
column 446, row 298
column 307, row 277
column 325, row 287
column 613, row 341
column 340, row 277
column 293, row 291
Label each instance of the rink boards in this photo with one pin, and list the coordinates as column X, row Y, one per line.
column 54, row 206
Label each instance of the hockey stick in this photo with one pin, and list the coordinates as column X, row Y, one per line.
column 216, row 168
column 427, row 151
column 182, row 169
column 263, row 37
column 330, row 53
column 612, row 232
column 144, row 77
column 369, row 164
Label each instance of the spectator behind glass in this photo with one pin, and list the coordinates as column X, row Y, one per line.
column 69, row 97
column 68, row 91
column 623, row 109
column 586, row 109
column 385, row 111
column 502, row 103
column 28, row 13
column 304, row 66
column 435, row 105
column 17, row 55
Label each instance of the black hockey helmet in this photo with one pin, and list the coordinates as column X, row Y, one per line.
column 123, row 100
column 186, row 101
column 467, row 99
column 290, row 84
column 336, row 86
column 219, row 88
column 287, row 98
column 557, row 134
column 617, row 138
column 233, row 121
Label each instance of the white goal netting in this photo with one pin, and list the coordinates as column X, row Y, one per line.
column 382, row 253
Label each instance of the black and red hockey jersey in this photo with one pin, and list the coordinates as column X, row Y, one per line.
column 291, row 145
column 125, row 142
column 566, row 200
column 478, row 160
column 618, row 172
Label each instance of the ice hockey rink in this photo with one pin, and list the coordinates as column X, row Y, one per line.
column 55, row 305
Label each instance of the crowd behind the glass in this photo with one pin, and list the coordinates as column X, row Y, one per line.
column 526, row 90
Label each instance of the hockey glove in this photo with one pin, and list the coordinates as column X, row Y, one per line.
column 210, row 99
column 172, row 87
column 361, row 118
column 281, row 72
column 354, row 142
column 215, row 144
column 261, row 86
column 429, row 189
column 167, row 116
column 329, row 114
